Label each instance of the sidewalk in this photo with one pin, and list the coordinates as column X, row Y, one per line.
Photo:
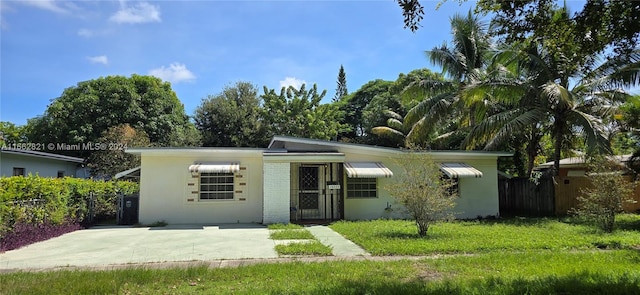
column 341, row 247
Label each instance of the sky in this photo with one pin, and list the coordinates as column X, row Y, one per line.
column 203, row 46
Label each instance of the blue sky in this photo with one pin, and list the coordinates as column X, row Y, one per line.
column 201, row 46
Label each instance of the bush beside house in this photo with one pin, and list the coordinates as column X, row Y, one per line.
column 36, row 208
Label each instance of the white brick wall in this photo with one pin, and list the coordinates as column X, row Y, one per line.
column 276, row 185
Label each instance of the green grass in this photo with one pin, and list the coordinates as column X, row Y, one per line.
column 399, row 237
column 284, row 226
column 529, row 272
column 311, row 248
column 291, row 234
column 296, row 232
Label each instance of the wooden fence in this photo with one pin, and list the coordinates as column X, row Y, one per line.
column 549, row 197
column 569, row 188
column 523, row 197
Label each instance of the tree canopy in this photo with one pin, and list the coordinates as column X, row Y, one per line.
column 111, row 157
column 83, row 112
column 11, row 133
column 232, row 118
column 298, row 112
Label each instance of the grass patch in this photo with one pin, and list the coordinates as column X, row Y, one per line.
column 284, row 226
column 399, row 237
column 530, row 272
column 291, row 234
column 311, row 248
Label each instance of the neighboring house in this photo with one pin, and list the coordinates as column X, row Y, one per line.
column 17, row 162
column 571, row 180
column 577, row 166
column 295, row 179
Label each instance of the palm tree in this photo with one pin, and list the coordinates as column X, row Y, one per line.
column 537, row 99
column 463, row 62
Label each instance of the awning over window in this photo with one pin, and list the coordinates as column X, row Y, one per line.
column 367, row 170
column 459, row 170
column 215, row 168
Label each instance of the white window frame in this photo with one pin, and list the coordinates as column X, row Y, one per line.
column 353, row 192
column 216, row 187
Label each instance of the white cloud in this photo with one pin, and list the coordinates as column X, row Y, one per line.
column 100, row 59
column 175, row 73
column 50, row 5
column 142, row 12
column 291, row 81
column 4, row 8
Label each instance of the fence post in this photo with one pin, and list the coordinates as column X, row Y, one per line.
column 91, row 207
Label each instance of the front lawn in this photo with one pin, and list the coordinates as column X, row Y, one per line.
column 399, row 237
column 307, row 246
column 535, row 272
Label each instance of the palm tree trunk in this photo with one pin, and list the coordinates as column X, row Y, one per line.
column 559, row 122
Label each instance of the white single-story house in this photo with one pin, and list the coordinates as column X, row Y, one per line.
column 295, row 179
column 18, row 162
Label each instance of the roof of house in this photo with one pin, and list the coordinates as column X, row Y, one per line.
column 43, row 155
column 283, row 142
column 288, row 144
column 580, row 161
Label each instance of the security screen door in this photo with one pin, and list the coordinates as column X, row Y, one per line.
column 309, row 192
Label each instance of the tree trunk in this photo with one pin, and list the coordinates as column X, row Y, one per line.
column 559, row 126
column 423, row 226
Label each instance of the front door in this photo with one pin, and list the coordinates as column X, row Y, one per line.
column 310, row 192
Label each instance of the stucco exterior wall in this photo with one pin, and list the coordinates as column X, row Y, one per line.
column 477, row 196
column 170, row 193
column 36, row 165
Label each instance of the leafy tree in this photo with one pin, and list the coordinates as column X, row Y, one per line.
column 366, row 107
column 110, row 156
column 421, row 189
column 11, row 133
column 341, row 89
column 232, row 118
column 298, row 112
column 354, row 104
column 377, row 113
column 413, row 13
column 599, row 25
column 605, row 198
column 83, row 112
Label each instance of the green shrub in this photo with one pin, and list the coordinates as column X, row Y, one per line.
column 36, row 200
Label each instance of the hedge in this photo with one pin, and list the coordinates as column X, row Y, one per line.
column 41, row 200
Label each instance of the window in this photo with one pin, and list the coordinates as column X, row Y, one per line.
column 361, row 188
column 216, row 186
column 18, row 171
column 60, row 174
column 453, row 189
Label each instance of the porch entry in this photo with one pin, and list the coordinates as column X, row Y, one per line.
column 315, row 191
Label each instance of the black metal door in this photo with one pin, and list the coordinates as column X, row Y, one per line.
column 309, row 192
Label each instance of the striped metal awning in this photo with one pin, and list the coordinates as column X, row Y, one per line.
column 215, row 168
column 367, row 170
column 459, row 170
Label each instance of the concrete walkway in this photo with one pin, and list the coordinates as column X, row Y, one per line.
column 341, row 246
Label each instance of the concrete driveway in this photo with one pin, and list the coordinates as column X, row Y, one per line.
column 101, row 246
